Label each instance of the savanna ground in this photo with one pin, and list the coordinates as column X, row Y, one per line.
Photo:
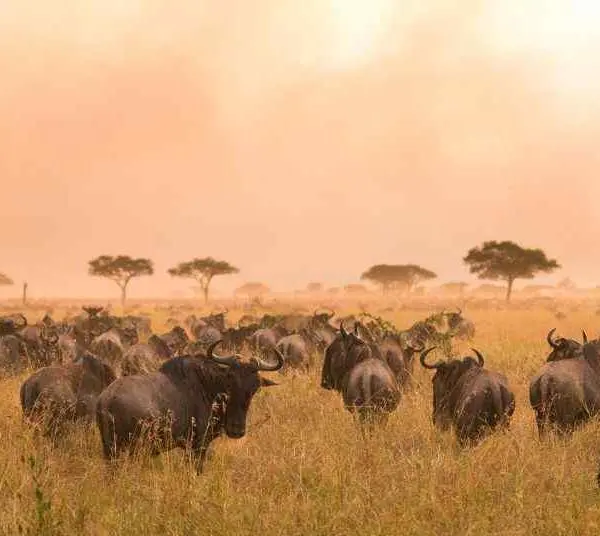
column 304, row 468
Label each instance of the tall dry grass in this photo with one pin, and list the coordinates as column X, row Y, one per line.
column 304, row 468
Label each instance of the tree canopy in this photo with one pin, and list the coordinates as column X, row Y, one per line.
column 314, row 287
column 202, row 270
column 507, row 261
column 397, row 276
column 252, row 289
column 120, row 269
column 5, row 280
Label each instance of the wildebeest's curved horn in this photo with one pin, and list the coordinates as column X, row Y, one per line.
column 415, row 350
column 585, row 337
column 268, row 367
column 549, row 338
column 479, row 357
column 230, row 360
column 459, row 310
column 425, row 354
column 342, row 330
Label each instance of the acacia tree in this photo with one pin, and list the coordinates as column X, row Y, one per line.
column 314, row 287
column 454, row 287
column 202, row 270
column 5, row 280
column 390, row 276
column 507, row 261
column 120, row 269
column 252, row 290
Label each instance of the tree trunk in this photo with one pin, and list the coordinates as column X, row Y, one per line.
column 205, row 292
column 25, row 293
column 509, row 289
column 123, row 295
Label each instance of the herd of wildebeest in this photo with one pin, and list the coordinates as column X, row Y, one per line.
column 174, row 391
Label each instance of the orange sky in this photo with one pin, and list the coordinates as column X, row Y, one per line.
column 300, row 141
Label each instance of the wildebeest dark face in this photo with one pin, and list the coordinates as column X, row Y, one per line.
column 244, row 384
column 564, row 348
column 243, row 381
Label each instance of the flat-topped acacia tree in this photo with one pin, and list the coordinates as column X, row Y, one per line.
column 508, row 261
column 121, row 269
column 390, row 276
column 202, row 270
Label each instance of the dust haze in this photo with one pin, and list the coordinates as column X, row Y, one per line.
column 300, row 141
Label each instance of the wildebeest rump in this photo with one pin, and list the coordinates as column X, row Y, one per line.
column 172, row 407
column 566, row 393
column 367, row 384
column 470, row 398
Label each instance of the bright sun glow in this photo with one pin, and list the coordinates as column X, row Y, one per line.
column 562, row 36
column 357, row 28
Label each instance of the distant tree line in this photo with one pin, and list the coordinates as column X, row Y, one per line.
column 493, row 260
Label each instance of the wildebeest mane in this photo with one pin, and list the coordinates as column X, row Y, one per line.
column 189, row 371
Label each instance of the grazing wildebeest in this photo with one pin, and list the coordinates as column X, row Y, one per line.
column 399, row 357
column 174, row 405
column 459, row 326
column 13, row 354
column 472, row 399
column 207, row 335
column 564, row 348
column 111, row 345
column 295, row 351
column 176, row 340
column 58, row 394
column 145, row 358
column 265, row 339
column 366, row 382
column 566, row 393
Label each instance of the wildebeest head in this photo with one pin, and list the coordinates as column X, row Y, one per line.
column 447, row 374
column 564, row 348
column 357, row 349
column 243, row 381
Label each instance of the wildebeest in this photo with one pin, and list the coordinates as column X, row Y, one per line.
column 13, row 354
column 295, row 351
column 459, row 326
column 366, row 382
column 143, row 358
column 57, row 394
column 176, row 340
column 400, row 358
column 566, row 392
column 265, row 339
column 172, row 407
column 111, row 345
column 471, row 399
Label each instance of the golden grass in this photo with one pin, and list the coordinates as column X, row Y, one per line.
column 304, row 468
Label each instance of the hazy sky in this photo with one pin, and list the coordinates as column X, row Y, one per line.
column 299, row 140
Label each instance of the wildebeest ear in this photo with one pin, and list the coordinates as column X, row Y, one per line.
column 265, row 382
